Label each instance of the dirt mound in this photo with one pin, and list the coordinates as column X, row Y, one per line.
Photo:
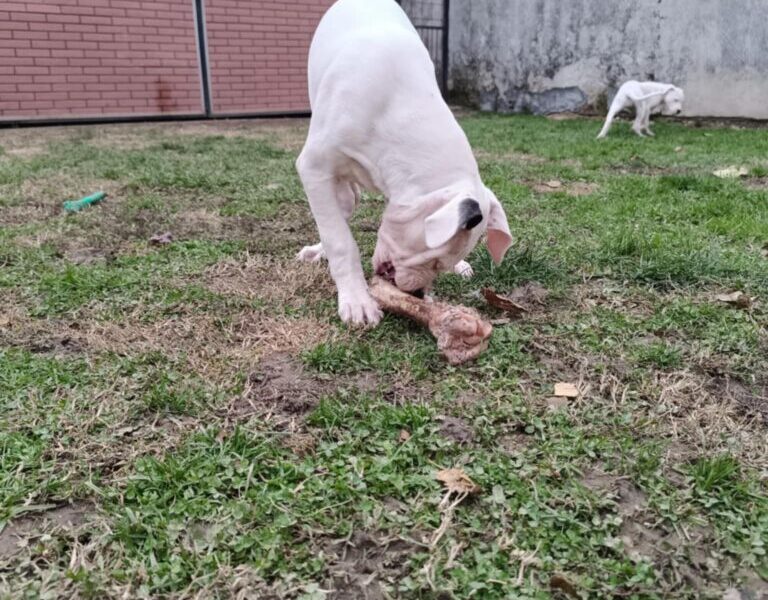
column 20, row 531
column 363, row 564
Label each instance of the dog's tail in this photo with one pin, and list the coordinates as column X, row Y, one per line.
column 652, row 94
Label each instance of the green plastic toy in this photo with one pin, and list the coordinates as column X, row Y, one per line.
column 77, row 205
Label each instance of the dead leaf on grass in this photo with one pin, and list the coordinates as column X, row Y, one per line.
column 161, row 239
column 503, row 302
column 731, row 172
column 456, row 480
column 737, row 299
column 566, row 390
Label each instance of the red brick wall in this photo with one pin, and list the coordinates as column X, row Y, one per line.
column 258, row 53
column 97, row 57
column 80, row 58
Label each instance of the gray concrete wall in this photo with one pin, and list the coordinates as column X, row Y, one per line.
column 424, row 12
column 565, row 55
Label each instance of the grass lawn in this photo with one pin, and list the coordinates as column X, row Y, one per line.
column 191, row 420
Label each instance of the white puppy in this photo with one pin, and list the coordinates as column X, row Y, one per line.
column 380, row 123
column 648, row 97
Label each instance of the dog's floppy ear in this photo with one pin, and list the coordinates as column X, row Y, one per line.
column 460, row 213
column 499, row 237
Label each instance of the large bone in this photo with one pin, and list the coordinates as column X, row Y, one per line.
column 461, row 333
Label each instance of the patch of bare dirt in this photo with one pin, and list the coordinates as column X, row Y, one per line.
column 601, row 293
column 281, row 391
column 531, row 295
column 363, row 566
column 629, row 499
column 709, row 416
column 643, row 540
column 457, row 430
column 20, row 532
column 751, row 400
column 756, row 183
column 572, row 188
column 514, row 443
column 280, row 385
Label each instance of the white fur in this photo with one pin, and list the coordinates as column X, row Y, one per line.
column 648, row 97
column 379, row 122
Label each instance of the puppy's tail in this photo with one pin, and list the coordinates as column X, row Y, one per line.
column 653, row 94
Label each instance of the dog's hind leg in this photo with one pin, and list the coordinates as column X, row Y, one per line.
column 616, row 106
column 348, row 199
column 641, row 118
column 647, row 125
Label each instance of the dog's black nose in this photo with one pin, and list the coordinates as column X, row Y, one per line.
column 418, row 293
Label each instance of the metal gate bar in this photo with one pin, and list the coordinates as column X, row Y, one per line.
column 434, row 30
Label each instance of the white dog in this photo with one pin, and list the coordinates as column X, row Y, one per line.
column 379, row 123
column 648, row 97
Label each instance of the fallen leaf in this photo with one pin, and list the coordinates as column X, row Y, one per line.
column 731, row 172
column 561, row 582
column 456, row 480
column 566, row 390
column 161, row 239
column 737, row 299
column 554, row 184
column 405, row 435
column 503, row 302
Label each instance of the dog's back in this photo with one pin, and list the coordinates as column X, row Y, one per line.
column 364, row 39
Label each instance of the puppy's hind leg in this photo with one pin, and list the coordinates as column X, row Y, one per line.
column 616, row 106
column 348, row 201
column 643, row 114
column 311, row 254
column 647, row 124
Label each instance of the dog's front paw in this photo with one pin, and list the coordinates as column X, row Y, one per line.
column 311, row 254
column 359, row 309
column 463, row 269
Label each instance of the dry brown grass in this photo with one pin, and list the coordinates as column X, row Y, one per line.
column 284, row 282
column 572, row 188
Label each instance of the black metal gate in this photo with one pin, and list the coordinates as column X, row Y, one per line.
column 431, row 19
